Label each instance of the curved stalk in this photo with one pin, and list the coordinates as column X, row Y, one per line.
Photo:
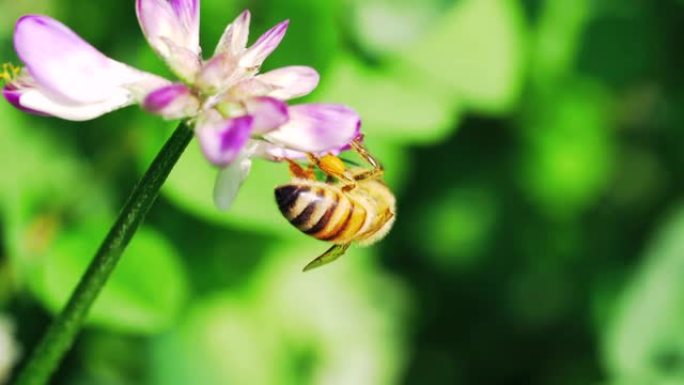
column 62, row 332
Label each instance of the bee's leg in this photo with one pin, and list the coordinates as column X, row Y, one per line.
column 333, row 166
column 376, row 172
column 299, row 172
column 380, row 221
column 334, row 252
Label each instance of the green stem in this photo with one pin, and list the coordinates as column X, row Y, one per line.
column 61, row 334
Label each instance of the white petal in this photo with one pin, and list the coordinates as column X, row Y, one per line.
column 234, row 39
column 70, row 71
column 250, row 88
column 277, row 153
column 183, row 62
column 274, row 152
column 290, row 82
column 217, row 74
column 35, row 101
column 317, row 128
column 229, row 180
column 175, row 20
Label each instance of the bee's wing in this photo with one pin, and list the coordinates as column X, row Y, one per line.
column 330, row 255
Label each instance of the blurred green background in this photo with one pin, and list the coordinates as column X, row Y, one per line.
column 536, row 150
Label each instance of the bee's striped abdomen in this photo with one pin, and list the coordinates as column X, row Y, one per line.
column 304, row 205
column 322, row 212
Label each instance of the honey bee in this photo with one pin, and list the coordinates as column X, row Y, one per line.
column 352, row 206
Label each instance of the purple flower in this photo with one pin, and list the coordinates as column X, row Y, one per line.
column 237, row 112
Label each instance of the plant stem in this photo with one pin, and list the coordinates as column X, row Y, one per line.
column 63, row 331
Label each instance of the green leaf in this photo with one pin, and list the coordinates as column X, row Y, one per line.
column 222, row 341
column 215, row 16
column 56, row 213
column 46, row 184
column 568, row 150
column 144, row 294
column 387, row 26
column 645, row 340
column 557, row 40
column 455, row 227
column 313, row 37
column 397, row 105
column 477, row 51
column 292, row 328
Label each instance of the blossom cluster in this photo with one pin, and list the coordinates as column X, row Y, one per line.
column 237, row 112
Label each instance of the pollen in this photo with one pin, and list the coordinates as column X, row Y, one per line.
column 332, row 165
column 9, row 72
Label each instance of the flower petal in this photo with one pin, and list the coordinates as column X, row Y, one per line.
column 189, row 17
column 234, row 39
column 13, row 96
column 70, row 71
column 317, row 128
column 172, row 29
column 249, row 88
column 267, row 43
column 222, row 140
column 35, row 101
column 290, row 82
column 268, row 114
column 277, row 153
column 274, row 152
column 175, row 20
column 217, row 74
column 174, row 101
column 183, row 62
column 230, row 179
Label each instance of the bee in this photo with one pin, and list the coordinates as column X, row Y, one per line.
column 353, row 205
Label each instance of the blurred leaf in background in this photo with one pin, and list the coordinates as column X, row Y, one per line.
column 289, row 330
column 477, row 50
column 144, row 295
column 645, row 340
column 9, row 350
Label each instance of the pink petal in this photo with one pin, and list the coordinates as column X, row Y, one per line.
column 174, row 20
column 290, row 82
column 267, row 43
column 174, row 101
column 222, row 140
column 268, row 114
column 69, row 71
column 317, row 128
column 13, row 96
column 234, row 39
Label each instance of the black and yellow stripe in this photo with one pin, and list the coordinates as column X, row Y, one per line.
column 323, row 213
